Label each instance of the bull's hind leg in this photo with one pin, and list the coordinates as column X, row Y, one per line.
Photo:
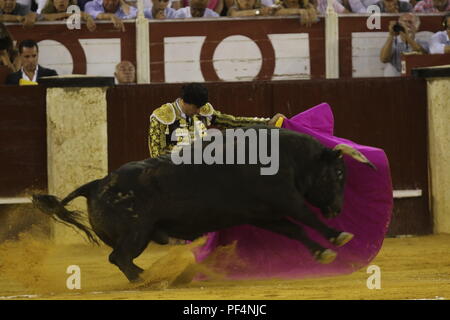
column 126, row 250
column 294, row 231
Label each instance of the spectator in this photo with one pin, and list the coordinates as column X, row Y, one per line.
column 432, row 6
column 31, row 71
column 394, row 47
column 160, row 10
column 360, row 6
column 9, row 56
column 394, row 6
column 440, row 41
column 250, row 8
column 337, row 6
column 57, row 10
column 215, row 5
column 174, row 4
column 125, row 73
column 11, row 11
column 303, row 8
column 197, row 9
column 112, row 10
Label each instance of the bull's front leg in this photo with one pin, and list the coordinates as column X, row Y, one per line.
column 294, row 231
column 309, row 218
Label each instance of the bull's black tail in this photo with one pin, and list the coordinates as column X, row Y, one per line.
column 55, row 208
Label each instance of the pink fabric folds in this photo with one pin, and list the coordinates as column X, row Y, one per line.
column 366, row 213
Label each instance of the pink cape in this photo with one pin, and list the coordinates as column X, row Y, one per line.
column 366, row 213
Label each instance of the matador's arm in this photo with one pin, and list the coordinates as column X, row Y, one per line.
column 229, row 121
column 157, row 138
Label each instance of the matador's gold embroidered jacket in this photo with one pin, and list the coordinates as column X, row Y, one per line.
column 169, row 118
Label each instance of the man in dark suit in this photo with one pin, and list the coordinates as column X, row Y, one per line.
column 31, row 71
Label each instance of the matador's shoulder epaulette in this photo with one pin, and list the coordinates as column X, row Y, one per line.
column 207, row 110
column 165, row 114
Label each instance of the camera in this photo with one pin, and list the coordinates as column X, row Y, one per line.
column 398, row 28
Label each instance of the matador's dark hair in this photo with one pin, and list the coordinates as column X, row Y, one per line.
column 194, row 93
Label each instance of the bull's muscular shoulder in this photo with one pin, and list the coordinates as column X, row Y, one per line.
column 165, row 114
column 207, row 110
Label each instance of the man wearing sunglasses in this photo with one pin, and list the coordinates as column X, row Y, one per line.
column 440, row 41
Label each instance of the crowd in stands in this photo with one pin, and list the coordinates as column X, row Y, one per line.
column 28, row 12
column 401, row 38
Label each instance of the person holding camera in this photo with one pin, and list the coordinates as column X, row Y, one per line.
column 440, row 41
column 401, row 39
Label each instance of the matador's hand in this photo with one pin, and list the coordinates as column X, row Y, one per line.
column 275, row 118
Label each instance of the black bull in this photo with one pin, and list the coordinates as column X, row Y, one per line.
column 154, row 199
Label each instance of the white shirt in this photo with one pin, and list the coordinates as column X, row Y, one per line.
column 438, row 42
column 149, row 3
column 25, row 77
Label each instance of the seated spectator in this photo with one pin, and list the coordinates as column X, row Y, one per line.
column 432, row 6
column 110, row 10
column 174, row 4
column 125, row 73
column 11, row 11
column 31, row 71
column 394, row 6
column 337, row 6
column 160, row 10
column 303, row 8
column 197, row 9
column 9, row 56
column 57, row 10
column 360, row 6
column 440, row 41
column 250, row 8
column 215, row 5
column 406, row 27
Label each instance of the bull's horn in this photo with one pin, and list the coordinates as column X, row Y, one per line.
column 355, row 154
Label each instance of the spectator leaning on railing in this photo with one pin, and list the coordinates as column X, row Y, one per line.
column 11, row 11
column 303, row 8
column 338, row 6
column 440, row 41
column 360, row 6
column 402, row 34
column 31, row 71
column 215, row 5
column 394, row 6
column 112, row 10
column 57, row 10
column 432, row 6
column 197, row 9
column 250, row 8
column 159, row 10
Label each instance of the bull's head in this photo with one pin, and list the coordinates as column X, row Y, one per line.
column 327, row 190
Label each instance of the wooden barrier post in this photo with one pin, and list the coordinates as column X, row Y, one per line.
column 438, row 89
column 77, row 145
column 331, row 42
column 142, row 46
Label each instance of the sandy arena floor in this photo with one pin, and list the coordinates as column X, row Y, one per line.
column 411, row 268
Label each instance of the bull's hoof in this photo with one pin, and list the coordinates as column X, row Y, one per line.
column 136, row 280
column 342, row 239
column 326, row 256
